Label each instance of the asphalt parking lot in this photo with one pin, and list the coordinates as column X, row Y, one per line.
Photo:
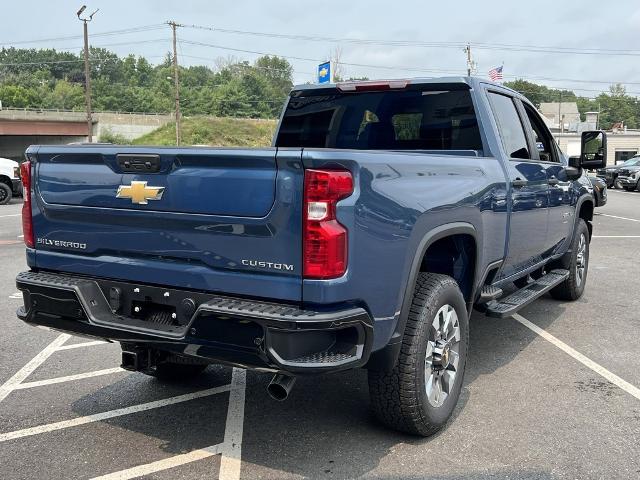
column 552, row 393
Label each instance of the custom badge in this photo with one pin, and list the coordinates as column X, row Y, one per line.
column 139, row 192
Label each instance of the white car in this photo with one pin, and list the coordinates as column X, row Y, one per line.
column 10, row 183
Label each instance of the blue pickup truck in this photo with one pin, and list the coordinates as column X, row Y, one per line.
column 383, row 214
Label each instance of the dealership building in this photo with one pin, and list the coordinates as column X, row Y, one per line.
column 563, row 119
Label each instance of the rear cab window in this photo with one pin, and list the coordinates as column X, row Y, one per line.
column 410, row 119
column 510, row 127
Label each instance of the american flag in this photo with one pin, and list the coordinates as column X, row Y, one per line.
column 495, row 74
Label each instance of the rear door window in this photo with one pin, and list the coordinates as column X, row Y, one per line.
column 509, row 125
column 387, row 120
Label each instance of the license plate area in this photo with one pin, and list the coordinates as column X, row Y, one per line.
column 161, row 308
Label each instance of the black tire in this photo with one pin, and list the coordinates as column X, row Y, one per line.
column 5, row 193
column 399, row 396
column 575, row 261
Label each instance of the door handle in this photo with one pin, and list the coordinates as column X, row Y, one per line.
column 519, row 183
column 553, row 181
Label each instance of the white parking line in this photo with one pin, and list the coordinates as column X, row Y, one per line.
column 164, row 464
column 231, row 456
column 616, row 216
column 587, row 362
column 68, row 378
column 81, row 345
column 624, row 192
column 35, row 362
column 16, row 296
column 230, row 449
column 13, row 215
column 615, row 236
column 142, row 407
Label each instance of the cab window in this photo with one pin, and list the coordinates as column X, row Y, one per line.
column 541, row 136
column 510, row 127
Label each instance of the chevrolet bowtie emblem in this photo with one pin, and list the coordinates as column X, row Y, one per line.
column 139, row 193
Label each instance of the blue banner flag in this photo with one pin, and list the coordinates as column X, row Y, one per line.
column 324, row 72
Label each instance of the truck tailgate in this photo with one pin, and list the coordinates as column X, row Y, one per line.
column 224, row 220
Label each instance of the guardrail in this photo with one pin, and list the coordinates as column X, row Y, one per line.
column 80, row 112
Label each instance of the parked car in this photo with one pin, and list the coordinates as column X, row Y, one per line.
column 610, row 173
column 10, row 184
column 363, row 238
column 629, row 178
column 599, row 191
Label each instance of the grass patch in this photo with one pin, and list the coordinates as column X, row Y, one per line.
column 108, row 136
column 215, row 132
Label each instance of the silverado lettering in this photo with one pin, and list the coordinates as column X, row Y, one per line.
column 406, row 204
column 61, row 243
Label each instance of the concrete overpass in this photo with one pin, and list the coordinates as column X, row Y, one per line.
column 20, row 128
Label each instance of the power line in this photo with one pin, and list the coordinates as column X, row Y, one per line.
column 414, row 69
column 385, row 67
column 144, row 28
column 405, row 68
column 352, row 64
column 102, row 45
column 431, row 44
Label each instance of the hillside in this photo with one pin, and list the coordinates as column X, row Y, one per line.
column 216, row 132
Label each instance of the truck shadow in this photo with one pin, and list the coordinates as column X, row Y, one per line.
column 325, row 428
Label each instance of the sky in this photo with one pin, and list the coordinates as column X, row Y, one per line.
column 564, row 25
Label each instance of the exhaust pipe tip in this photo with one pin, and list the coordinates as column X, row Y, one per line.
column 280, row 386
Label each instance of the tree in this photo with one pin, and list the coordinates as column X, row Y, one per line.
column 65, row 96
column 538, row 94
column 46, row 78
column 617, row 106
column 18, row 96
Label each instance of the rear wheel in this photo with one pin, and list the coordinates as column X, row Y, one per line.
column 5, row 193
column 618, row 184
column 577, row 261
column 419, row 394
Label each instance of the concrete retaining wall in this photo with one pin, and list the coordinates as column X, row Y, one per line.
column 13, row 147
column 128, row 125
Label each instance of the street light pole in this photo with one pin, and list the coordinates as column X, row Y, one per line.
column 87, row 71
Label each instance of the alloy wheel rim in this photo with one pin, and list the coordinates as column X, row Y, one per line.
column 3, row 194
column 581, row 259
column 442, row 356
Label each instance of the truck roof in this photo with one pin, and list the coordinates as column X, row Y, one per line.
column 461, row 80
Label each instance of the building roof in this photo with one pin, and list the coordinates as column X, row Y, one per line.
column 550, row 109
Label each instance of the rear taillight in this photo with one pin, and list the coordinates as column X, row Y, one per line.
column 27, row 219
column 325, row 239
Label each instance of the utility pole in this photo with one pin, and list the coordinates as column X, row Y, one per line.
column 87, row 70
column 560, row 122
column 176, row 80
column 470, row 63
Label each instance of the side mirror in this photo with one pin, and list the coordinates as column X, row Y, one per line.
column 593, row 149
